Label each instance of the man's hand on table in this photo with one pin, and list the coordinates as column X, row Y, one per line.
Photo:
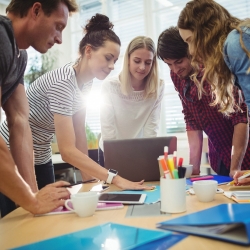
column 50, row 197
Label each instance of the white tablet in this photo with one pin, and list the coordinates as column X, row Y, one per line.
column 122, row 198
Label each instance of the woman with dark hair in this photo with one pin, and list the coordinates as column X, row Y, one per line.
column 57, row 103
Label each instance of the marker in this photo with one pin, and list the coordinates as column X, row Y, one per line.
column 168, row 175
column 171, row 166
column 182, row 172
column 208, row 177
column 175, row 159
column 165, row 168
column 180, row 162
column 166, row 152
column 175, row 174
column 160, row 165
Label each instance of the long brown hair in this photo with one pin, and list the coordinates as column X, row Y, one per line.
column 211, row 23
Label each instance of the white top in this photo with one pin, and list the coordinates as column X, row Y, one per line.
column 126, row 117
column 55, row 92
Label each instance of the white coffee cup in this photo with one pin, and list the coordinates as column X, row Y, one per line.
column 84, row 203
column 189, row 170
column 205, row 190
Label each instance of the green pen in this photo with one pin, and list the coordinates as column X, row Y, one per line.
column 175, row 174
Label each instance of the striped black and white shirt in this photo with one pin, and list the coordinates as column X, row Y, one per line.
column 55, row 92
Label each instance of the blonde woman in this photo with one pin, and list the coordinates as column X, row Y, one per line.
column 221, row 42
column 132, row 100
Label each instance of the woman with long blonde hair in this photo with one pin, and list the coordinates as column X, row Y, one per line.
column 221, row 43
column 132, row 100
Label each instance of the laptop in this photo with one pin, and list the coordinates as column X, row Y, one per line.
column 136, row 159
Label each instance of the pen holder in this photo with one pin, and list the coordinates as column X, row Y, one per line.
column 173, row 195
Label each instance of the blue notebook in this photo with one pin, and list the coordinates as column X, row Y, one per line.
column 219, row 178
column 227, row 222
column 105, row 236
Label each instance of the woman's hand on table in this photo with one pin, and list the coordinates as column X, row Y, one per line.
column 129, row 185
column 50, row 197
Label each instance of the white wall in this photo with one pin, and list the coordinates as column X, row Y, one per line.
column 65, row 49
column 2, row 9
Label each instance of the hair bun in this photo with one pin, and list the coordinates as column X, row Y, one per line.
column 97, row 23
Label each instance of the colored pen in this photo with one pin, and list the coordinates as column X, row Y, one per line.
column 240, row 178
column 180, row 162
column 167, row 175
column 165, row 168
column 181, row 172
column 160, row 165
column 208, row 177
column 166, row 152
column 175, row 174
column 175, row 159
column 170, row 163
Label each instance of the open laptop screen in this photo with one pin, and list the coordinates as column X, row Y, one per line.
column 136, row 159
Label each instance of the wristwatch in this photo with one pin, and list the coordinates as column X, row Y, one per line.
column 111, row 174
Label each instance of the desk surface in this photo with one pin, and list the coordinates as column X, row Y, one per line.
column 20, row 227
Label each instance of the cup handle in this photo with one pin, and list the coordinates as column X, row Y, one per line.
column 67, row 206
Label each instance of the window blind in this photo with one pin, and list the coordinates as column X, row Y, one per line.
column 132, row 18
column 142, row 17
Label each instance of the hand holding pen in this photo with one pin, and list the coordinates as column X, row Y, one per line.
column 241, row 178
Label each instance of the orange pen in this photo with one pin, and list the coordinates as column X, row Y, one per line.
column 165, row 167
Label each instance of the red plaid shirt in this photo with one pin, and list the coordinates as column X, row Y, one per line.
column 199, row 115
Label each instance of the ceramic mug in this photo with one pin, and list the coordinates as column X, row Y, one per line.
column 205, row 190
column 189, row 170
column 84, row 204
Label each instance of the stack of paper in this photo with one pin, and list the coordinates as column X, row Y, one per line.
column 239, row 196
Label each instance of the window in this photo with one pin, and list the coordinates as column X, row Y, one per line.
column 130, row 19
column 144, row 17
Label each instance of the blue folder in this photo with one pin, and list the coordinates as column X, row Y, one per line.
column 219, row 178
column 227, row 222
column 107, row 236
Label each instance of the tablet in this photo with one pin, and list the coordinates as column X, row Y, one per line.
column 122, row 198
